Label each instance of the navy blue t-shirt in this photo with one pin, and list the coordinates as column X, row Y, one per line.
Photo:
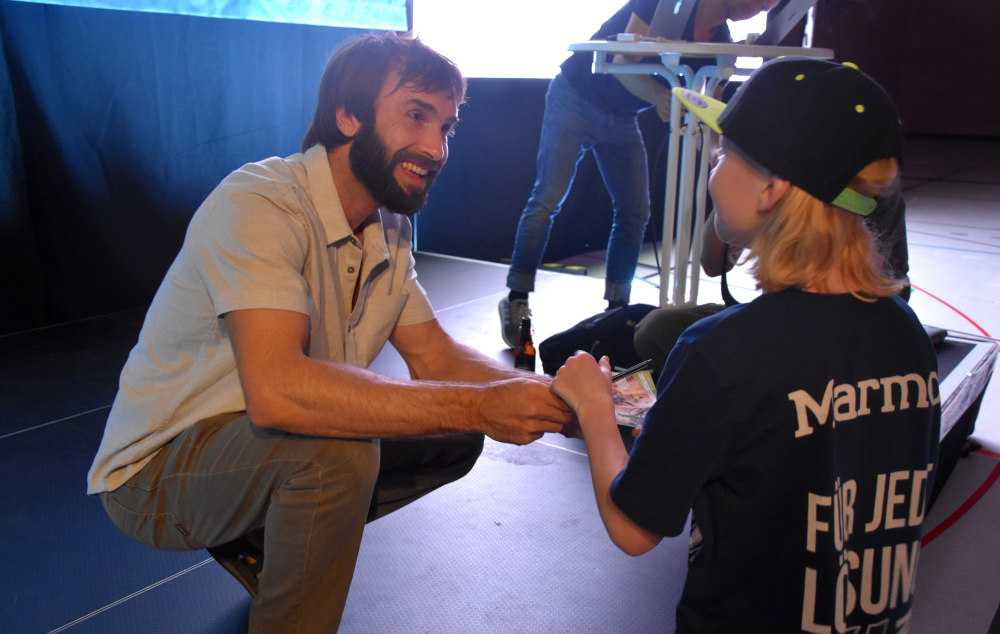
column 603, row 89
column 802, row 430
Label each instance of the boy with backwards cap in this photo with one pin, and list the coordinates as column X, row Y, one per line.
column 800, row 429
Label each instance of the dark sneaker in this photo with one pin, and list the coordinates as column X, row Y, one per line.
column 243, row 558
column 694, row 541
column 510, row 319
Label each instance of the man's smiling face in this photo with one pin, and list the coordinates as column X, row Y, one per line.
column 400, row 156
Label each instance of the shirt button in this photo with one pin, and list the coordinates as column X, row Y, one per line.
column 350, row 269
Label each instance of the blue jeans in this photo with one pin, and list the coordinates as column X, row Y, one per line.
column 571, row 126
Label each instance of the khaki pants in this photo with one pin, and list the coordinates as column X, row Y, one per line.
column 225, row 477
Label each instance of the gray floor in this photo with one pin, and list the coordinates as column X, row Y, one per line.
column 517, row 545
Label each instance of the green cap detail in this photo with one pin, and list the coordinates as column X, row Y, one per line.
column 854, row 202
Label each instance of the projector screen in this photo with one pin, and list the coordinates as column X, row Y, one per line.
column 368, row 14
column 517, row 38
column 520, row 38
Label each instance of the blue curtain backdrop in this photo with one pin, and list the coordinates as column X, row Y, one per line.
column 20, row 276
column 117, row 124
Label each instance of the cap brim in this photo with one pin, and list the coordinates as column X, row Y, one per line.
column 705, row 108
column 709, row 110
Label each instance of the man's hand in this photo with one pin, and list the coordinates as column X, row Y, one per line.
column 520, row 411
column 572, row 429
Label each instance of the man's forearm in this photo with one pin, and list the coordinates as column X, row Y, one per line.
column 288, row 390
column 459, row 362
column 643, row 86
column 648, row 89
column 430, row 353
column 324, row 398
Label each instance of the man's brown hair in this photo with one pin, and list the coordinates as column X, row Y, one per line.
column 355, row 75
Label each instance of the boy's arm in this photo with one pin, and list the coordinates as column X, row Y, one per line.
column 585, row 385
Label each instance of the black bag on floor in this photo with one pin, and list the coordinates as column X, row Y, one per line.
column 609, row 333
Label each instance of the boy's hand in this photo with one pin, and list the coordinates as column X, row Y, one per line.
column 582, row 379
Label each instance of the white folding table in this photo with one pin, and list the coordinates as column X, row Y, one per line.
column 685, row 139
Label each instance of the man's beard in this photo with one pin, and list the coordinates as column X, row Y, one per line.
column 372, row 166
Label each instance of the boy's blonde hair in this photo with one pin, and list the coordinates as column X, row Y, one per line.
column 802, row 240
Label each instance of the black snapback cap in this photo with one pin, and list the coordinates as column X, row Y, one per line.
column 811, row 122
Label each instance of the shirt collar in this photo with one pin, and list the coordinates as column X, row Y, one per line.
column 326, row 200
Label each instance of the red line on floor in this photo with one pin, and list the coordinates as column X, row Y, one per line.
column 962, row 510
column 967, row 318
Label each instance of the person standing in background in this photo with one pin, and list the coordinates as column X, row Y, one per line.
column 587, row 111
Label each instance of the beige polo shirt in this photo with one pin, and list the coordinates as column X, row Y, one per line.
column 272, row 235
